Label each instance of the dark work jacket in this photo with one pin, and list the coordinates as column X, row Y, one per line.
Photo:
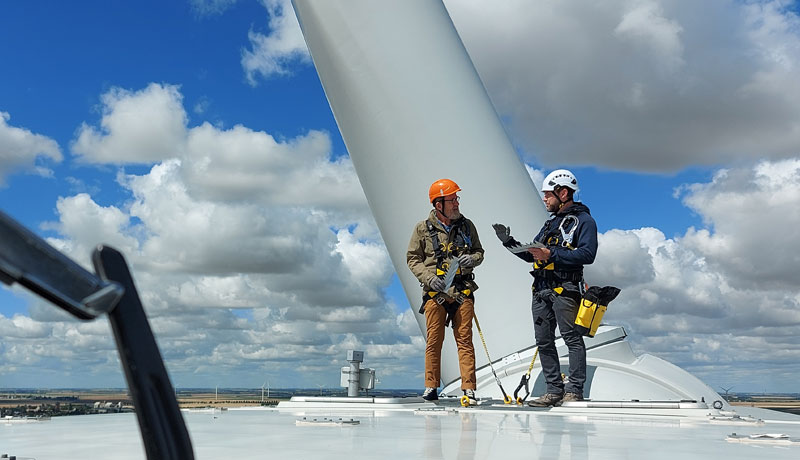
column 566, row 258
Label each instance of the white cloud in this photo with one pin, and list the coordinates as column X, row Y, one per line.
column 367, row 262
column 640, row 85
column 233, row 165
column 772, row 27
column 80, row 215
column 247, row 252
column 537, row 177
column 272, row 54
column 201, row 106
column 726, row 294
column 407, row 324
column 616, row 248
column 20, row 326
column 751, row 212
column 241, row 164
column 645, row 25
column 637, row 85
column 20, row 150
column 136, row 127
column 254, row 253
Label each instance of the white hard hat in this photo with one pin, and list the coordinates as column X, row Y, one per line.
column 559, row 178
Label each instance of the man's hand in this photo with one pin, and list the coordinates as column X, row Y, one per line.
column 503, row 232
column 436, row 283
column 466, row 261
column 540, row 253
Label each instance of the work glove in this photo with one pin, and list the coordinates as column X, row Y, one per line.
column 436, row 283
column 466, row 261
column 503, row 232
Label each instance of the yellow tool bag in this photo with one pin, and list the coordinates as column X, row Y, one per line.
column 593, row 306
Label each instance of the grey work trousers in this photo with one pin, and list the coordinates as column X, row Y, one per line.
column 550, row 310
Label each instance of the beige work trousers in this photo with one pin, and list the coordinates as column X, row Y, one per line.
column 462, row 331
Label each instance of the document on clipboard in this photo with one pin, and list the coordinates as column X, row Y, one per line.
column 525, row 247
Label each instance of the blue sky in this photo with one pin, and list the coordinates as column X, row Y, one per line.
column 196, row 137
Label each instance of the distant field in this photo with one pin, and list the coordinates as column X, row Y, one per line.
column 791, row 406
column 224, row 400
column 89, row 397
column 190, row 398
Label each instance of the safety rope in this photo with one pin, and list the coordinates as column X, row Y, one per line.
column 506, row 398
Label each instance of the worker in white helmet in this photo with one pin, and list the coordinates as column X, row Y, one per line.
column 569, row 241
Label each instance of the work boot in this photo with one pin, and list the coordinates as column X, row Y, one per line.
column 570, row 397
column 430, row 394
column 470, row 394
column 546, row 400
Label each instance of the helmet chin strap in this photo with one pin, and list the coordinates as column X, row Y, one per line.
column 561, row 204
column 440, row 214
column 557, row 189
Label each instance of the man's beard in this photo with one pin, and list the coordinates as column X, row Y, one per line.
column 455, row 215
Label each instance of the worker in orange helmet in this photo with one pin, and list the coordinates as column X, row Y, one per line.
column 446, row 237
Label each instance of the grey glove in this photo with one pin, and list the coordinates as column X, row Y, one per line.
column 436, row 283
column 466, row 261
column 503, row 232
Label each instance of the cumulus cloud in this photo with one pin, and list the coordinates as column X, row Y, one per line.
column 80, row 215
column 22, row 327
column 635, row 85
column 254, row 254
column 234, row 165
column 273, row 53
column 255, row 166
column 722, row 295
column 249, row 254
column 136, row 127
column 645, row 25
column 643, row 85
column 747, row 209
column 537, row 177
column 640, row 85
column 616, row 248
column 21, row 150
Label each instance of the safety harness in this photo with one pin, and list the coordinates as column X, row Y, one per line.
column 560, row 232
column 461, row 244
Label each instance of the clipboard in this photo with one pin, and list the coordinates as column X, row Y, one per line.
column 525, row 247
column 451, row 274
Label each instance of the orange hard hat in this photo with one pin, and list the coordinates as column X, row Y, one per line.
column 442, row 187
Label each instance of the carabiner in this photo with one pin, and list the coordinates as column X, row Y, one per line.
column 566, row 237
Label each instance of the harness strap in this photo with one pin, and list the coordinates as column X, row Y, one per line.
column 437, row 247
column 450, row 307
column 551, row 274
column 464, row 232
column 560, row 232
column 565, row 229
